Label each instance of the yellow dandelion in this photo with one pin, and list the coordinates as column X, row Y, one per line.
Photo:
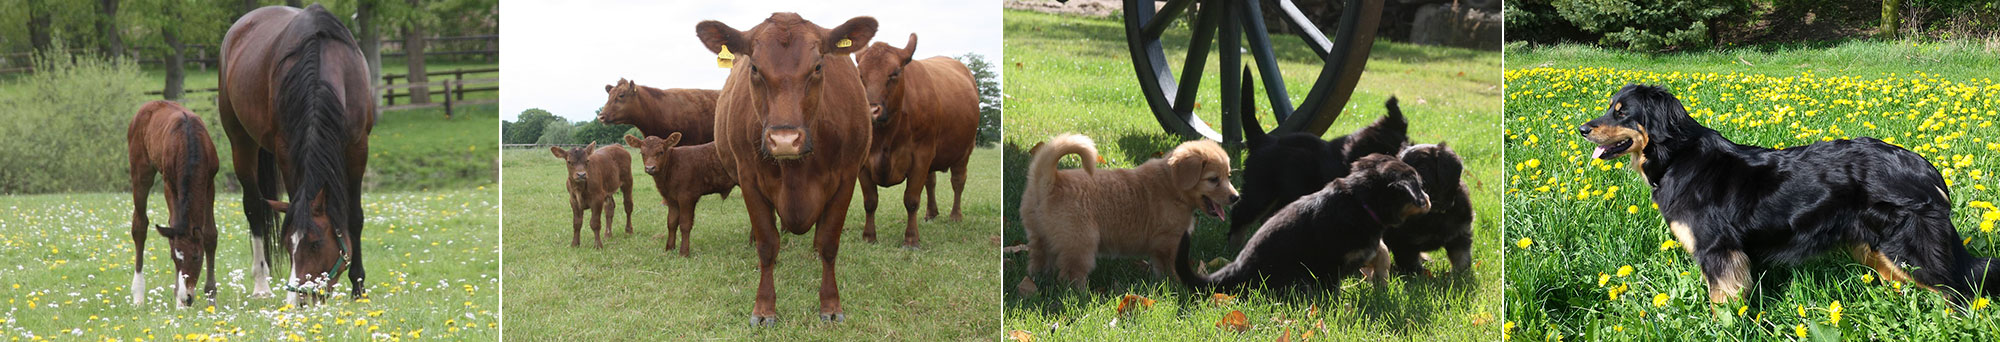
column 1800, row 329
column 1624, row 271
column 1632, row 209
column 1867, row 278
column 1661, row 299
column 1669, row 244
column 1525, row 242
column 1833, row 313
column 1980, row 303
column 1602, row 278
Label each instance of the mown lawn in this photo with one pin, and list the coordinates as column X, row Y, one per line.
column 1589, row 257
column 634, row 289
column 432, row 259
column 1071, row 74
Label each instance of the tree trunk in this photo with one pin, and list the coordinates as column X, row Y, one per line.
column 413, row 47
column 108, row 26
column 174, row 61
column 38, row 24
column 371, row 38
column 1889, row 21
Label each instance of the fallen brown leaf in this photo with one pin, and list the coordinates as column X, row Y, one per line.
column 1022, row 336
column 1235, row 320
column 1133, row 302
column 1221, row 299
column 1287, row 337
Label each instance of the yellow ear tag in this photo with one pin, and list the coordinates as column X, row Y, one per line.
column 724, row 59
column 844, row 43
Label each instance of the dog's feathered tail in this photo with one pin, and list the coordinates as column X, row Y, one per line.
column 1387, row 135
column 1042, row 169
column 1253, row 133
column 1986, row 275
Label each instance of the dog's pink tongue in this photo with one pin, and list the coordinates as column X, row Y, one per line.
column 1598, row 153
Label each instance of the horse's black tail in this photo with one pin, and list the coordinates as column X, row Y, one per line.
column 1253, row 133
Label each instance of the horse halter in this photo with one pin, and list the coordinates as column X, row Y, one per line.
column 331, row 278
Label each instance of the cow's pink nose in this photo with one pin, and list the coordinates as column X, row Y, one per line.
column 786, row 144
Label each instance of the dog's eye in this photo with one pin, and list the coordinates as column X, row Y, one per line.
column 1620, row 114
column 1215, row 180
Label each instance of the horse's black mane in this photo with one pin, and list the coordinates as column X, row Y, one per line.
column 314, row 122
column 183, row 210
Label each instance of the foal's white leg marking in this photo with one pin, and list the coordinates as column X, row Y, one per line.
column 260, row 270
column 291, row 298
column 138, row 289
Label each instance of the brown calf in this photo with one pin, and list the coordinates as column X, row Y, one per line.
column 658, row 112
column 595, row 174
column 682, row 174
column 169, row 140
column 926, row 114
column 792, row 124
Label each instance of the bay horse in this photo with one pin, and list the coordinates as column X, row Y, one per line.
column 167, row 139
column 298, row 105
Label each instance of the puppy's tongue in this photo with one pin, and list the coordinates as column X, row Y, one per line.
column 1598, row 153
column 1216, row 209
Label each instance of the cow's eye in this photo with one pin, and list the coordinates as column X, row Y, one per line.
column 894, row 74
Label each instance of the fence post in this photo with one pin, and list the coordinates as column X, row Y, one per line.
column 447, row 99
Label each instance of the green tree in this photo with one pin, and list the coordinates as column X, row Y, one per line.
column 557, row 132
column 179, row 24
column 989, row 97
column 600, row 133
column 527, row 128
column 1649, row 25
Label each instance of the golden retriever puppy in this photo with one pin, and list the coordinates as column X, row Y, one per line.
column 1073, row 216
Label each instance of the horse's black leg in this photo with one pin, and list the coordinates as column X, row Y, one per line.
column 356, row 274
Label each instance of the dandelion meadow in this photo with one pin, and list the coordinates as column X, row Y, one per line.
column 66, row 269
column 1590, row 258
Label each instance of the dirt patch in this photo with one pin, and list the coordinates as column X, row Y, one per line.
column 1090, row 8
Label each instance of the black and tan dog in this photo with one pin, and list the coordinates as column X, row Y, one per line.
column 1325, row 235
column 1282, row 167
column 1447, row 225
column 1735, row 206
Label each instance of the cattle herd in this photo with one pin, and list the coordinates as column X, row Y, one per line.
column 806, row 113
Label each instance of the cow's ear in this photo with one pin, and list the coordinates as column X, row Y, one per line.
column 910, row 50
column 558, row 151
column 714, row 35
column 673, row 139
column 855, row 32
column 607, row 88
column 632, row 140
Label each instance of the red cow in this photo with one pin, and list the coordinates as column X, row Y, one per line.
column 594, row 175
column 926, row 114
column 682, row 174
column 792, row 123
column 658, row 112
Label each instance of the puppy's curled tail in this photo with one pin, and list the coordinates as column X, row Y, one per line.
column 1042, row 169
column 1253, row 132
column 1393, row 119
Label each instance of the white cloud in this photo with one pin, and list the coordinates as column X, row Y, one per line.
column 558, row 55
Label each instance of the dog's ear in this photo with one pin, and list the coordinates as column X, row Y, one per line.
column 1188, row 167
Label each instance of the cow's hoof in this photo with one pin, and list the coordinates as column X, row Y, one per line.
column 957, row 217
column 763, row 321
column 834, row 317
column 911, row 246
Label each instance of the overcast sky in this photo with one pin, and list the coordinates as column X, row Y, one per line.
column 559, row 55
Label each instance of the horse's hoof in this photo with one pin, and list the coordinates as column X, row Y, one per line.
column 833, row 317
column 957, row 217
column 260, row 294
column 763, row 321
column 910, row 245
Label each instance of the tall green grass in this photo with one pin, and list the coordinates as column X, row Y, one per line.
column 633, row 289
column 1575, row 224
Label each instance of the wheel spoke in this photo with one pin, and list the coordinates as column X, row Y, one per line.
column 1157, row 24
column 1197, row 59
column 1307, row 30
column 1267, row 63
column 1232, row 60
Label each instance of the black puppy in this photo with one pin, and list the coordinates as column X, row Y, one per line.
column 1736, row 206
column 1324, row 235
column 1282, row 167
column 1447, row 225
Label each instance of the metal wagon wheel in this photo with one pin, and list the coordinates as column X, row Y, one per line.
column 1172, row 97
